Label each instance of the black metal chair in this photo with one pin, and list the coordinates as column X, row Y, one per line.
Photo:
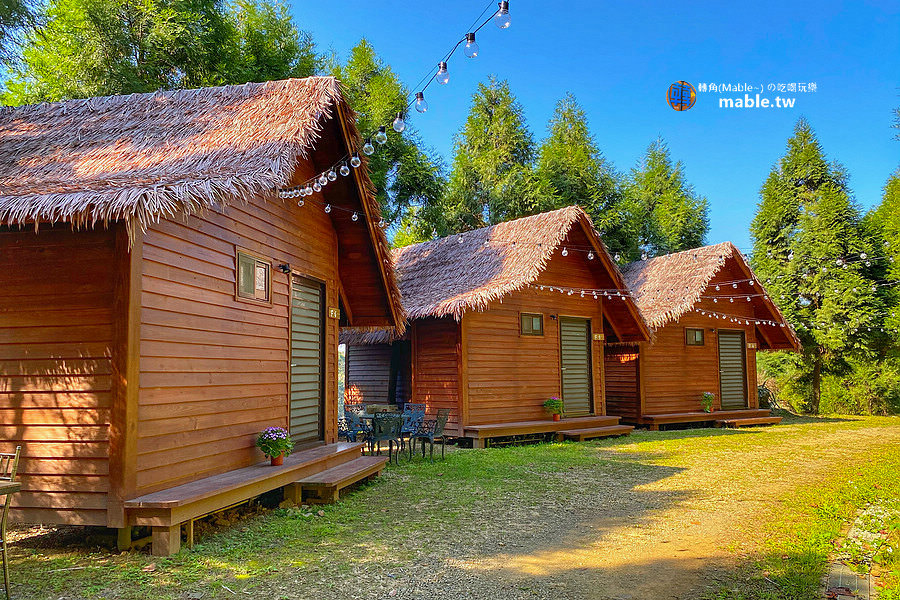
column 9, row 465
column 352, row 427
column 432, row 430
column 386, row 428
column 413, row 418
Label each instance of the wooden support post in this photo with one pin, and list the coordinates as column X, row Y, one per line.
column 166, row 540
column 123, row 539
column 478, row 443
column 190, row 534
column 654, row 428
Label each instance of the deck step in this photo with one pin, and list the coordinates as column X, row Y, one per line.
column 748, row 422
column 325, row 487
column 579, row 435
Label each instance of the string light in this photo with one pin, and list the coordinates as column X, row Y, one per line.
column 443, row 74
column 345, row 170
column 421, row 104
column 381, row 136
column 399, row 125
column 565, row 251
column 591, row 255
column 501, row 17
column 368, row 149
column 355, row 161
column 471, row 47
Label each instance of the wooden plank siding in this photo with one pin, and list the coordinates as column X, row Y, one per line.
column 436, row 361
column 675, row 375
column 56, row 373
column 511, row 375
column 213, row 368
column 368, row 373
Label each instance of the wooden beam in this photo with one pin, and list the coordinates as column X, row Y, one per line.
column 463, row 358
column 126, row 373
column 166, row 540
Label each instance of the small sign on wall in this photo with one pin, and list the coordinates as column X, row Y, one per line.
column 598, row 337
column 751, row 345
column 334, row 313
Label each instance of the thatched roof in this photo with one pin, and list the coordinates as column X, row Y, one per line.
column 145, row 157
column 667, row 287
column 157, row 154
column 468, row 271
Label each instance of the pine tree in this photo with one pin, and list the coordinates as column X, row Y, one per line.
column 666, row 213
column 883, row 221
column 405, row 175
column 570, row 162
column 812, row 251
column 492, row 178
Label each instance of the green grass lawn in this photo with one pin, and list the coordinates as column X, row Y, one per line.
column 769, row 503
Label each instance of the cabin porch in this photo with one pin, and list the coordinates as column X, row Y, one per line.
column 653, row 422
column 166, row 510
column 599, row 426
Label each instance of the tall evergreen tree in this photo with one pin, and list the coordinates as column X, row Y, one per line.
column 492, row 179
column 577, row 173
column 101, row 47
column 405, row 175
column 811, row 249
column 884, row 219
column 666, row 213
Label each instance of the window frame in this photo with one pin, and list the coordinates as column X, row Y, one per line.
column 258, row 261
column 532, row 333
column 687, row 339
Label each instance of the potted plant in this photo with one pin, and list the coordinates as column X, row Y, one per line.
column 706, row 401
column 554, row 406
column 275, row 442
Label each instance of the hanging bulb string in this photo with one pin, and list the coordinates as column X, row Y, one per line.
column 411, row 100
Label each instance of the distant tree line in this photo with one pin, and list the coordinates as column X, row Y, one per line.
column 825, row 262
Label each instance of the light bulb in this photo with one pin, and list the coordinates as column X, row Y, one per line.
column 345, row 170
column 317, row 187
column 617, row 257
column 327, row 208
column 501, row 17
column 421, row 104
column 590, row 256
column 300, row 202
column 471, row 48
column 398, row 124
column 643, row 256
column 382, row 223
column 323, row 180
column 442, row 75
column 368, row 148
column 863, row 255
column 381, row 136
column 565, row 251
column 355, row 217
column 355, row 161
column 308, row 190
column 332, row 175
column 734, row 285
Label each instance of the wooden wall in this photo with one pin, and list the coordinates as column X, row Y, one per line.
column 621, row 372
column 368, row 373
column 56, row 344
column 509, row 375
column 213, row 369
column 436, row 367
column 676, row 375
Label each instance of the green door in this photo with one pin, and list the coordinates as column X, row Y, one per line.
column 575, row 364
column 732, row 370
column 307, row 360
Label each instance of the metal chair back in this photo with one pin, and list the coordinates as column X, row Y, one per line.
column 386, row 427
column 443, row 414
column 9, row 464
column 413, row 418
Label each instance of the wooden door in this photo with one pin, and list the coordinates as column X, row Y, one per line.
column 575, row 365
column 732, row 370
column 307, row 397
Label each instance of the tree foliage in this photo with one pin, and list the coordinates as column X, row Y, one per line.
column 664, row 211
column 102, row 47
column 15, row 16
column 813, row 251
column 405, row 174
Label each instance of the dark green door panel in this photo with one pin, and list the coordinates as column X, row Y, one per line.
column 575, row 364
column 307, row 360
column 732, row 370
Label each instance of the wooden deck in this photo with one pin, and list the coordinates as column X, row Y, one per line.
column 167, row 509
column 580, row 435
column 654, row 421
column 479, row 434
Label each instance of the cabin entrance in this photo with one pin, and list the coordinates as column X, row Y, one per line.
column 575, row 365
column 307, row 397
column 732, row 370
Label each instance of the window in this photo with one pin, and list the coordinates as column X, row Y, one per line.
column 254, row 277
column 693, row 337
column 531, row 324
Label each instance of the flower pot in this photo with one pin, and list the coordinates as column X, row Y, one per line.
column 556, row 417
column 277, row 461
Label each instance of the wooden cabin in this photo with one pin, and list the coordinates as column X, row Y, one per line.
column 501, row 319
column 163, row 303
column 710, row 315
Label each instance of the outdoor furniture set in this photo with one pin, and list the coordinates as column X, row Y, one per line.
column 363, row 424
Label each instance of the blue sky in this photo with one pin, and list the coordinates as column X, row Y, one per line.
column 618, row 58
